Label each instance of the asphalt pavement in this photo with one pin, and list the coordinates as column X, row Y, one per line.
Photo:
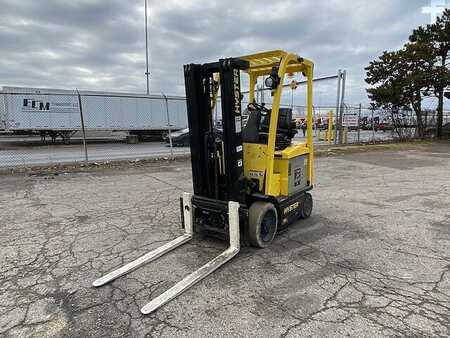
column 373, row 260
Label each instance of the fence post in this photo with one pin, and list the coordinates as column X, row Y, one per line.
column 314, row 122
column 168, row 124
column 337, row 106
column 341, row 113
column 82, row 128
column 359, row 123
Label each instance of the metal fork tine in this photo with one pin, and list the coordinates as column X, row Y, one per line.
column 205, row 270
column 158, row 252
column 148, row 257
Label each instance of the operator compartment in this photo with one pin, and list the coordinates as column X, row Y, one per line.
column 288, row 168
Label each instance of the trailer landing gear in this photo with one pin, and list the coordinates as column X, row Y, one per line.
column 65, row 135
column 196, row 276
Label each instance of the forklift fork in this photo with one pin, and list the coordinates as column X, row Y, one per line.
column 196, row 276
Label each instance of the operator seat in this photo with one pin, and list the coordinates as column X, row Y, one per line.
column 257, row 128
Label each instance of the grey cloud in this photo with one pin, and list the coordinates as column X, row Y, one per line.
column 99, row 45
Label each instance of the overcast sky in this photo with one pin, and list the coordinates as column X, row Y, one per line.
column 99, row 44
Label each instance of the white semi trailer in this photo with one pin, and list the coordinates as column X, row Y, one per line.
column 56, row 112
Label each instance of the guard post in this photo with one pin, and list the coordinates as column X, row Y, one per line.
column 330, row 127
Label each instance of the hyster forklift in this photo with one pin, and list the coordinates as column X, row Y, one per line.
column 251, row 182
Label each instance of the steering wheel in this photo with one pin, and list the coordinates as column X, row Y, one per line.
column 260, row 107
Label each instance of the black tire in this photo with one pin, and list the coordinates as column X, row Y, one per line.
column 263, row 220
column 307, row 206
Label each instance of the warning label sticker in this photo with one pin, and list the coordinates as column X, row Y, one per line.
column 238, row 124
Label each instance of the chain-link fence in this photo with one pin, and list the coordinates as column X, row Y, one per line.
column 358, row 124
column 58, row 126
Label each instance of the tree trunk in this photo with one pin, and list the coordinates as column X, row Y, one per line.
column 440, row 114
column 440, row 108
column 417, row 106
column 395, row 122
column 420, row 128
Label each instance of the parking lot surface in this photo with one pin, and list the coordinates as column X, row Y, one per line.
column 373, row 259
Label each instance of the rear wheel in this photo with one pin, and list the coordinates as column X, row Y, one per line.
column 263, row 220
column 307, row 206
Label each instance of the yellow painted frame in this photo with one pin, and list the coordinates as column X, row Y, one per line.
column 261, row 64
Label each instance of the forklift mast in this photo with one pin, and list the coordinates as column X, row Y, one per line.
column 217, row 162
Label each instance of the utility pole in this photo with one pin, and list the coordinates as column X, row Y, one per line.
column 147, row 74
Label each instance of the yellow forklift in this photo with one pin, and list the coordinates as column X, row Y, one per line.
column 250, row 182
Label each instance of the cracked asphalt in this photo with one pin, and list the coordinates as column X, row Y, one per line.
column 373, row 259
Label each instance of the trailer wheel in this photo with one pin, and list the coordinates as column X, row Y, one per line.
column 307, row 206
column 263, row 220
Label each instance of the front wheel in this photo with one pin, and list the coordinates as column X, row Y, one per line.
column 263, row 220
